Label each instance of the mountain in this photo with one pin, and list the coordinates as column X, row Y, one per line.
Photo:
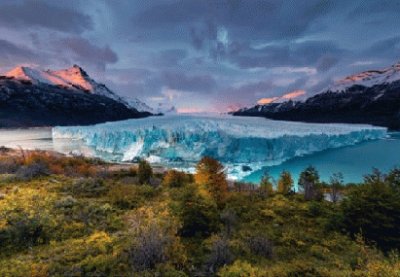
column 370, row 97
column 32, row 97
column 138, row 105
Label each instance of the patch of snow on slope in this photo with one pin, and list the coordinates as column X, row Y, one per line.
column 368, row 78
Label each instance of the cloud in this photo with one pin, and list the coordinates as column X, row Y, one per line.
column 242, row 94
column 171, row 94
column 383, row 47
column 365, row 9
column 319, row 53
column 216, row 54
column 264, row 101
column 169, row 57
column 180, row 81
column 33, row 14
column 253, row 88
column 287, row 96
column 190, row 110
column 12, row 54
column 294, row 94
column 361, row 63
column 82, row 50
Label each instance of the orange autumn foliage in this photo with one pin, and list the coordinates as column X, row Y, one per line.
column 211, row 177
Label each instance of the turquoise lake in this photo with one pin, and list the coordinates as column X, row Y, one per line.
column 352, row 161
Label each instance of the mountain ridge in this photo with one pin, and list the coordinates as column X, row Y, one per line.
column 369, row 97
column 74, row 78
column 32, row 97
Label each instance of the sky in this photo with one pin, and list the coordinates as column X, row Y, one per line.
column 205, row 55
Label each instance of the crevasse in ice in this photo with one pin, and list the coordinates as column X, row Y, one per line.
column 241, row 143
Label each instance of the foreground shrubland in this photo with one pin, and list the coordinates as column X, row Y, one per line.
column 72, row 216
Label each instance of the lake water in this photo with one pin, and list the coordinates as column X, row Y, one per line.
column 352, row 161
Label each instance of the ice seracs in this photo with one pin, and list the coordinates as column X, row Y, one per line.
column 180, row 141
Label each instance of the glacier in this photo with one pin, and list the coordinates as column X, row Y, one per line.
column 242, row 144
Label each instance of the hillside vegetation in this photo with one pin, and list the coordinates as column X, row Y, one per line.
column 73, row 216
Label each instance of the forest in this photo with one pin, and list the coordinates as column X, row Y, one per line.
column 75, row 216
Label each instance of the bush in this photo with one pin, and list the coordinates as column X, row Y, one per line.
column 32, row 170
column 176, row 179
column 24, row 230
column 88, row 187
column 229, row 219
column 240, row 269
column 260, row 246
column 153, row 240
column 220, row 253
column 9, row 165
column 199, row 215
column 144, row 172
column 128, row 196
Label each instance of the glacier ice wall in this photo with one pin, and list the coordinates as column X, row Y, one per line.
column 180, row 141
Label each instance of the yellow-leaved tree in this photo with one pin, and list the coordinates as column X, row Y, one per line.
column 211, row 177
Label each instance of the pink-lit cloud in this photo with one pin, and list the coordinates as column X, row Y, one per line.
column 294, row 94
column 264, row 101
column 287, row 96
column 190, row 110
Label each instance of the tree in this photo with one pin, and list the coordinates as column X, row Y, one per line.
column 266, row 187
column 145, row 172
column 211, row 177
column 393, row 179
column 373, row 209
column 308, row 182
column 175, row 179
column 198, row 215
column 285, row 183
column 335, row 186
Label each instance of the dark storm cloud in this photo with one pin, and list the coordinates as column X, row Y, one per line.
column 262, row 87
column 33, row 14
column 83, row 50
column 184, row 82
column 170, row 57
column 10, row 53
column 12, row 50
column 384, row 47
column 259, row 16
column 323, row 54
column 364, row 9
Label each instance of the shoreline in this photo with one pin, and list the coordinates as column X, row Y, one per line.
column 112, row 166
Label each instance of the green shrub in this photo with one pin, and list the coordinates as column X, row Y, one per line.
column 87, row 187
column 144, row 172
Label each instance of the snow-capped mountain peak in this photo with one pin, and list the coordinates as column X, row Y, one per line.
column 368, row 78
column 75, row 79
column 75, row 75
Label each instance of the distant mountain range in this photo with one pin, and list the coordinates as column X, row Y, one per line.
column 370, row 97
column 32, row 97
